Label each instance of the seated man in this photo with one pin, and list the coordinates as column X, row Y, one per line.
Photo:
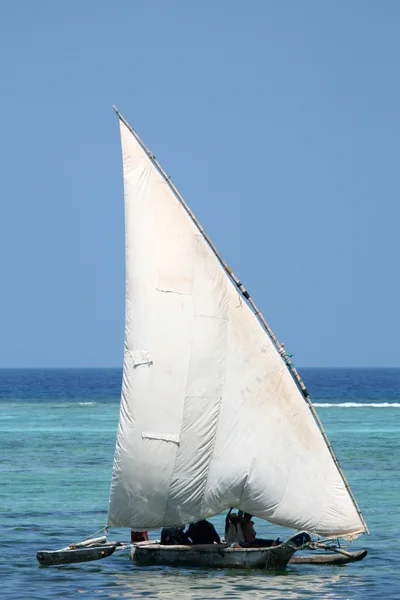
column 139, row 536
column 233, row 529
column 202, row 532
column 249, row 533
column 247, row 526
column 173, row 535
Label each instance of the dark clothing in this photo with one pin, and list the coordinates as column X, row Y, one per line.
column 139, row 536
column 173, row 535
column 202, row 532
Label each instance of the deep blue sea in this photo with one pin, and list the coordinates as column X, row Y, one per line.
column 58, row 430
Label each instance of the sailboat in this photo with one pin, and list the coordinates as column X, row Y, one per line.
column 213, row 412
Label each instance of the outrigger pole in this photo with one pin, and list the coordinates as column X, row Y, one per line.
column 279, row 347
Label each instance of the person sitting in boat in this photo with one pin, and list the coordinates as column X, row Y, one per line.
column 173, row 535
column 233, row 529
column 202, row 532
column 249, row 533
column 247, row 526
column 139, row 536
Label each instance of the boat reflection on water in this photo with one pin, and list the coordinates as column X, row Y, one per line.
column 199, row 583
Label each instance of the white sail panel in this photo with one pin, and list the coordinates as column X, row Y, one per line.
column 210, row 415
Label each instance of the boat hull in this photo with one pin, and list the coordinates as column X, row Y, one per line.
column 219, row 555
column 328, row 558
column 66, row 556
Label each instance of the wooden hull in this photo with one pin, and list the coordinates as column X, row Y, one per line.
column 327, row 558
column 65, row 556
column 218, row 555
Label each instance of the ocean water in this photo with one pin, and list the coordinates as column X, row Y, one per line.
column 57, row 436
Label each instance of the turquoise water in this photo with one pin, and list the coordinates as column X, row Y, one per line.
column 57, row 435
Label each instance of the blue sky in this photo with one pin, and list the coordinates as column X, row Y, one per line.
column 279, row 123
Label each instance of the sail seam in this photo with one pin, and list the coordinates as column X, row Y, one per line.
column 173, row 292
column 213, row 447
column 171, row 479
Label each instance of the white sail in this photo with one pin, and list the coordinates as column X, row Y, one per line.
column 210, row 416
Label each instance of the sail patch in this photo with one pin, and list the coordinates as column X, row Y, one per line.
column 164, row 437
column 141, row 357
